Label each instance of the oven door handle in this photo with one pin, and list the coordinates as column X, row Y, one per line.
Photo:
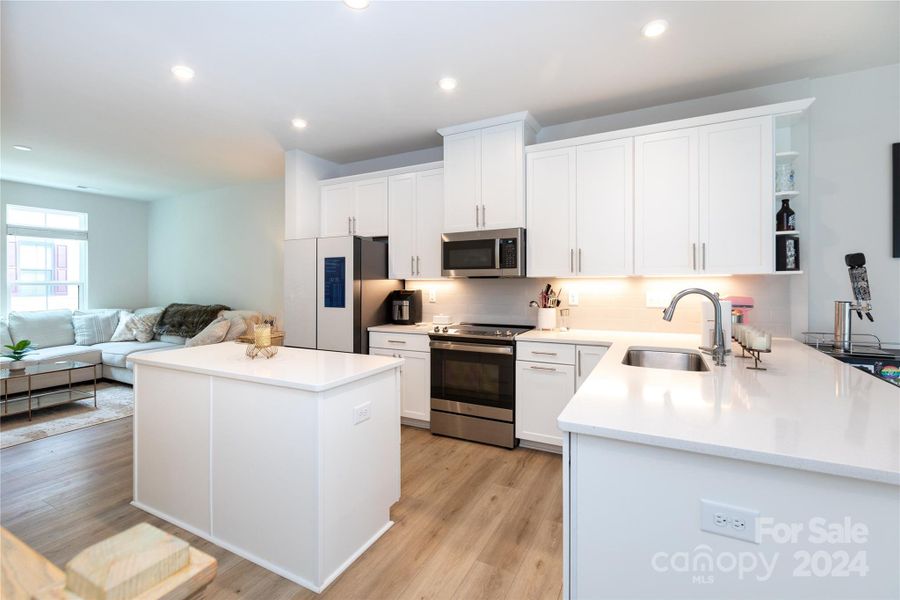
column 463, row 347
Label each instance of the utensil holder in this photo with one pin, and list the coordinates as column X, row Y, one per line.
column 546, row 319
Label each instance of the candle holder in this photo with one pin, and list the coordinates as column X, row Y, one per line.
column 262, row 342
column 754, row 354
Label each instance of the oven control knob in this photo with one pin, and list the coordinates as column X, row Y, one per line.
column 445, row 330
column 437, row 328
column 498, row 332
column 508, row 333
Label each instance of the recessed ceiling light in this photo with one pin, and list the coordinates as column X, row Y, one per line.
column 357, row 4
column 655, row 28
column 447, row 84
column 182, row 72
column 299, row 123
column 23, row 148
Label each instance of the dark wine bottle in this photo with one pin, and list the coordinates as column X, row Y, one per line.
column 785, row 220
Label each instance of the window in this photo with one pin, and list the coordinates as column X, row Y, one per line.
column 46, row 258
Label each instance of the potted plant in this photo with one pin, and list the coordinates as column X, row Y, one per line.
column 17, row 352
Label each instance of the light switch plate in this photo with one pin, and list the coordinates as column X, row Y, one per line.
column 574, row 298
column 432, row 295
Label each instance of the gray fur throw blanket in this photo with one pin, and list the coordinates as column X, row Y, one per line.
column 187, row 320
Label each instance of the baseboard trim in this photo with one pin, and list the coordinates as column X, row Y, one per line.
column 415, row 423
column 540, row 446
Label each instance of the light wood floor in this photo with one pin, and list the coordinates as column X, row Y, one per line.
column 473, row 521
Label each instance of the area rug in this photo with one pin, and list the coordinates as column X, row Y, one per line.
column 114, row 401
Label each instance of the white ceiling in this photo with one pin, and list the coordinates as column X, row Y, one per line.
column 88, row 86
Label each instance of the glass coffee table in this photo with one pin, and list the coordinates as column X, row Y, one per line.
column 22, row 401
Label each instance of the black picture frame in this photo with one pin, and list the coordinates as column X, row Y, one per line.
column 896, row 162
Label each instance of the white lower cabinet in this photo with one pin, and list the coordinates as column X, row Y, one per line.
column 415, row 381
column 586, row 358
column 542, row 391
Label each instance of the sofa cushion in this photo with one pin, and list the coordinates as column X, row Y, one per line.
column 5, row 340
column 236, row 328
column 116, row 353
column 172, row 339
column 45, row 328
column 136, row 326
column 213, row 333
column 94, row 327
column 70, row 352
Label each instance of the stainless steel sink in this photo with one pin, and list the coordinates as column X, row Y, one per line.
column 665, row 358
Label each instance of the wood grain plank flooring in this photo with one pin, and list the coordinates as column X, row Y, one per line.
column 472, row 522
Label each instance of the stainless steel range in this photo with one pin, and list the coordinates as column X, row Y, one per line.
column 473, row 382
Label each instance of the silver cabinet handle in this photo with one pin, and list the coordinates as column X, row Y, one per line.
column 579, row 363
column 412, row 265
column 396, row 342
column 476, row 215
column 694, row 256
column 571, row 260
column 349, row 226
column 703, row 254
column 418, row 271
column 354, row 224
column 537, row 368
column 543, row 353
column 483, row 219
column 579, row 260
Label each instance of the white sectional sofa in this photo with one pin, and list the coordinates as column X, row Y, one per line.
column 53, row 336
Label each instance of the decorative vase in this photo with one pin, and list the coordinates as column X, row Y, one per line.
column 546, row 319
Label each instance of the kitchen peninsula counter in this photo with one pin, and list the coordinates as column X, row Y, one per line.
column 291, row 462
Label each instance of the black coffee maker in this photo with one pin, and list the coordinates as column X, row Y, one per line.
column 406, row 307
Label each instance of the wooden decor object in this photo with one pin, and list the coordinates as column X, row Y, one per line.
column 25, row 573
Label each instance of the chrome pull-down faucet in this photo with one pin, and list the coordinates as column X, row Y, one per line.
column 718, row 350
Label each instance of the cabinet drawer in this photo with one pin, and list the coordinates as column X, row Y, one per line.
column 415, row 342
column 542, row 392
column 562, row 354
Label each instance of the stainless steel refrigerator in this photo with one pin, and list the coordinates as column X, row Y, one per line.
column 334, row 290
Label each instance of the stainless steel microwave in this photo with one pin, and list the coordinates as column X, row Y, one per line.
column 487, row 253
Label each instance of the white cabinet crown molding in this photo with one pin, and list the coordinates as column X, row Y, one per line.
column 522, row 116
column 383, row 173
column 774, row 110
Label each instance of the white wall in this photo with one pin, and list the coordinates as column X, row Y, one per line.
column 117, row 240
column 220, row 246
column 854, row 121
column 302, row 173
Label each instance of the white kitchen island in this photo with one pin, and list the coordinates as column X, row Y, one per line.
column 810, row 446
column 291, row 462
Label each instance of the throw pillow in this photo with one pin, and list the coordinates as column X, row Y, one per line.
column 251, row 317
column 4, row 333
column 94, row 327
column 213, row 333
column 45, row 328
column 123, row 332
column 142, row 325
column 237, row 327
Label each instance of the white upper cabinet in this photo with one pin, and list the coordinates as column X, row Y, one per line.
column 666, row 202
column 604, row 209
column 355, row 208
column 462, row 185
column 484, row 173
column 416, row 216
column 580, row 210
column 337, row 209
column 551, row 211
column 736, row 188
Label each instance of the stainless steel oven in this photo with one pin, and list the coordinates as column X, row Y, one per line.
column 488, row 253
column 473, row 384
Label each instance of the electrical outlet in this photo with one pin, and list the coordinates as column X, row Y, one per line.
column 573, row 298
column 730, row 521
column 362, row 412
column 432, row 295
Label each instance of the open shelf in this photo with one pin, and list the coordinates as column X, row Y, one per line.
column 790, row 194
column 785, row 157
column 794, row 232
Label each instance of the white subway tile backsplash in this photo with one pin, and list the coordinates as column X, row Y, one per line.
column 614, row 303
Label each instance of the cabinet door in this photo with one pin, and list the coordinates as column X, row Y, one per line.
column 337, row 209
column 503, row 176
column 462, row 181
column 542, row 391
column 551, row 206
column 401, row 226
column 371, row 207
column 604, row 209
column 415, row 380
column 429, row 222
column 737, row 223
column 666, row 203
column 586, row 358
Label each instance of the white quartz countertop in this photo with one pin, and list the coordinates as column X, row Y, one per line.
column 420, row 328
column 310, row 370
column 807, row 411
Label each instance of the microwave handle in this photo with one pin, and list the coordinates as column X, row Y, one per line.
column 497, row 253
